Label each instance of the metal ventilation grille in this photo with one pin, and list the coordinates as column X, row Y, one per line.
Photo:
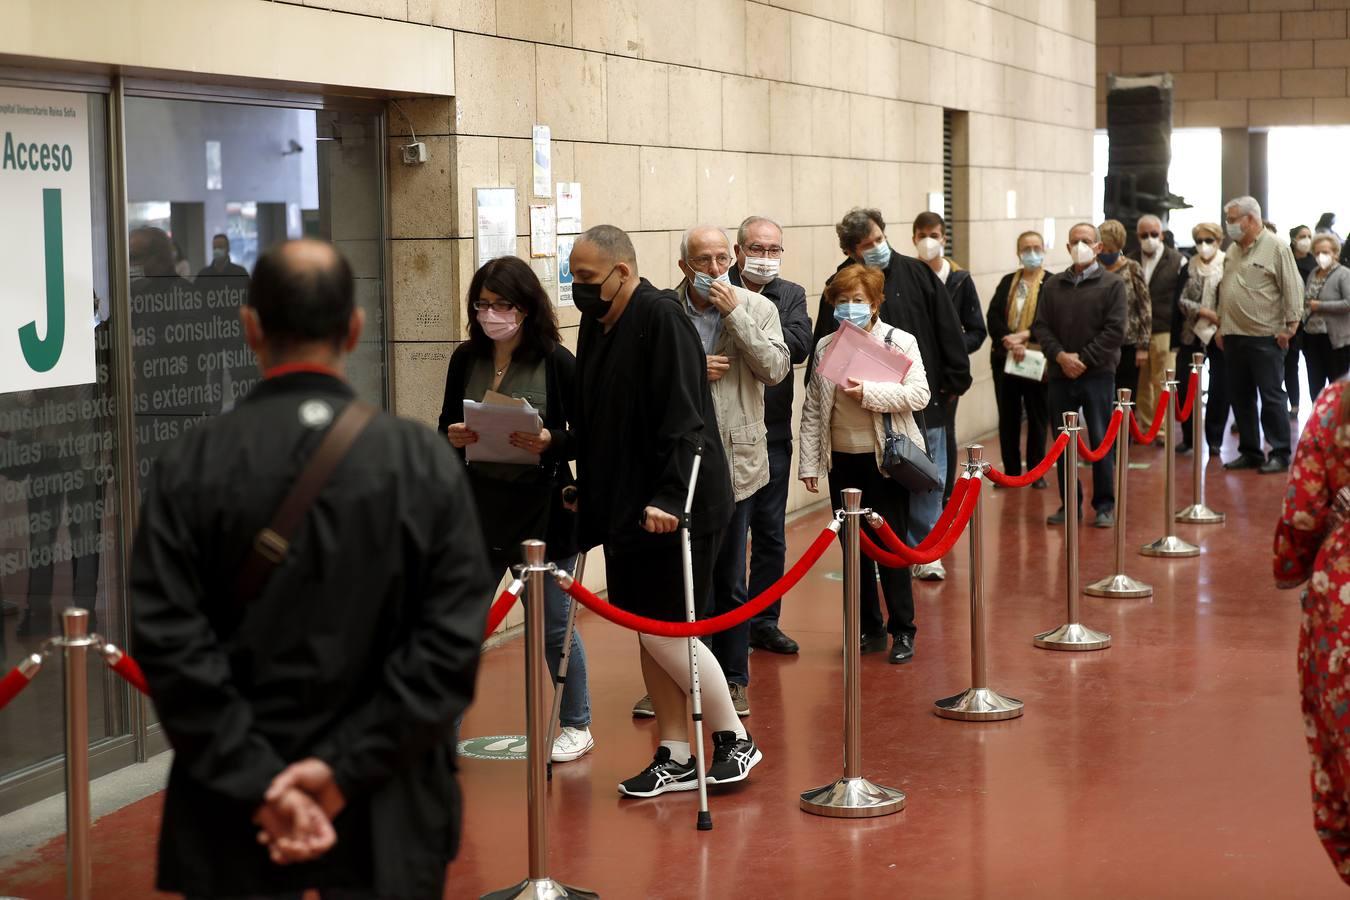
column 947, row 182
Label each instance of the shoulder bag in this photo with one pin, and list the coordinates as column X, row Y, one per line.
column 901, row 459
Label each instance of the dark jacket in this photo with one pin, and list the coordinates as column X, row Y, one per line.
column 531, row 508
column 1087, row 318
column 917, row 302
column 361, row 649
column 997, row 320
column 961, row 288
column 643, row 408
column 790, row 298
column 1164, row 286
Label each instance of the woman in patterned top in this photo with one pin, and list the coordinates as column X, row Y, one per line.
column 1310, row 545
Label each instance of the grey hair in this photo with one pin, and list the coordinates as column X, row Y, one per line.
column 613, row 242
column 754, row 220
column 1246, row 205
column 684, row 241
column 1328, row 238
column 856, row 225
column 1144, row 218
column 1096, row 235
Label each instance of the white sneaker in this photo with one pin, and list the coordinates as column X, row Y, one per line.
column 933, row 571
column 572, row 743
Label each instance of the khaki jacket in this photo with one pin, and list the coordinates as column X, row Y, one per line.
column 752, row 339
column 879, row 398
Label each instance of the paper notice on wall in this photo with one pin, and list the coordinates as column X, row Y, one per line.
column 47, row 305
column 543, row 235
column 494, row 223
column 546, row 270
column 543, row 162
column 569, row 207
column 565, row 243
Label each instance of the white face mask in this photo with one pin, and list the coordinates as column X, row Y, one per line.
column 928, row 248
column 1303, row 244
column 1207, row 251
column 760, row 269
column 1324, row 260
column 1233, row 230
column 1150, row 245
column 1082, row 253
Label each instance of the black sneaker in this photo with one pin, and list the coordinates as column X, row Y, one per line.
column 1244, row 462
column 771, row 638
column 662, row 776
column 902, row 650
column 733, row 758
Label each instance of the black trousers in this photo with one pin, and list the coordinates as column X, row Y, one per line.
column 1092, row 395
column 1325, row 363
column 891, row 502
column 1013, row 395
column 1256, row 369
column 1291, row 371
column 1217, row 407
column 1127, row 374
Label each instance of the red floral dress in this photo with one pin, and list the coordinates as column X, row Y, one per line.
column 1311, row 546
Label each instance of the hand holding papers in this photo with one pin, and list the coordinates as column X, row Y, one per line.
column 1031, row 365
column 855, row 354
column 494, row 421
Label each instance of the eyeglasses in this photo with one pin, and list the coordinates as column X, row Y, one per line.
column 1152, row 234
column 702, row 263
column 501, row 306
column 1199, row 241
column 771, row 251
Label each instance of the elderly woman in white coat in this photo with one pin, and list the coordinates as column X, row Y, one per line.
column 843, row 435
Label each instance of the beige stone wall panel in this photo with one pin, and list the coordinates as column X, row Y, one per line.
column 746, row 114
column 812, row 200
column 898, row 131
column 695, row 108
column 638, row 101
column 1216, row 113
column 421, row 203
column 809, row 50
column 1281, row 112
column 831, row 130
column 477, row 164
column 607, row 26
column 898, row 19
column 612, row 189
column 790, row 118
column 1126, row 30
column 769, row 187
column 848, row 186
column 1313, row 83
column 1248, row 85
column 478, row 16
column 768, row 42
column 723, row 188
column 1249, row 27
column 1184, row 29
column 668, row 187
column 543, row 21
column 422, row 293
column 1221, row 57
column 867, row 118
column 496, row 86
column 1321, row 25
column 570, row 87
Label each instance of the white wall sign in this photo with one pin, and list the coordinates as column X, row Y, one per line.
column 543, row 162
column 569, row 207
column 494, row 223
column 543, row 234
column 46, row 251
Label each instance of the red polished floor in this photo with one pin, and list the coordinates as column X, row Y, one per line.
column 1170, row 766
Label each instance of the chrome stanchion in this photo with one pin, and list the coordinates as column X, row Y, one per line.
column 1120, row 584
column 1072, row 635
column 564, row 659
column 75, row 643
column 1169, row 544
column 1198, row 513
column 538, row 886
column 979, row 703
column 853, row 796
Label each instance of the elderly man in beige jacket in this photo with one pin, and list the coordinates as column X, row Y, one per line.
column 743, row 338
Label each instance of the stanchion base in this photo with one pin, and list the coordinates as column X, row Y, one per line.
column 1200, row 514
column 1170, row 546
column 1120, row 585
column 853, row 798
column 1073, row 637
column 541, row 889
column 978, row 705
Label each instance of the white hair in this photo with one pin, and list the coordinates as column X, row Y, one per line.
column 684, row 241
column 1247, row 206
column 742, row 232
column 1146, row 218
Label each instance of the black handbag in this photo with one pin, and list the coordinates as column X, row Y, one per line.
column 901, row 459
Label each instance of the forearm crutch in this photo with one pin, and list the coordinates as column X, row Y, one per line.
column 687, row 558
column 560, row 679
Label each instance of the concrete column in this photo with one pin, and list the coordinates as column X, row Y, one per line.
column 1236, row 174
column 1258, row 169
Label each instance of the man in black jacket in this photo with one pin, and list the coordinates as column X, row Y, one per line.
column 930, row 245
column 759, row 253
column 330, row 692
column 1080, row 325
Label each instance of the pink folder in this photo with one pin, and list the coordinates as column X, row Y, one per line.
column 854, row 353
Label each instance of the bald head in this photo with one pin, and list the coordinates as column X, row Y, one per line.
column 610, row 245
column 302, row 292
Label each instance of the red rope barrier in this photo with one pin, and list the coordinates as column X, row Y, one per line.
column 705, row 627
column 1192, row 388
column 1112, row 430
column 1017, row 481
column 940, row 527
column 929, row 551
column 19, row 678
column 124, row 666
column 502, row 606
column 1158, row 415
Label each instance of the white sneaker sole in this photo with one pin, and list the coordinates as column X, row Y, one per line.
column 932, row 575
column 673, row 788
column 575, row 754
column 754, row 761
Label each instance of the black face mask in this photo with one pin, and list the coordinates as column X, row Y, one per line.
column 588, row 300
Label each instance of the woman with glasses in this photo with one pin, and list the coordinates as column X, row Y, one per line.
column 514, row 349
column 1200, row 320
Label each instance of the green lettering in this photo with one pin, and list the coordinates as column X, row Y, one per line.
column 42, row 354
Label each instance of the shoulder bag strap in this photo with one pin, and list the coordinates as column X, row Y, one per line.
column 918, row 413
column 271, row 545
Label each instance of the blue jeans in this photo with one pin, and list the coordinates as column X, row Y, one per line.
column 576, row 697
column 768, row 540
column 1093, row 394
column 926, row 508
column 1255, row 368
column 731, row 647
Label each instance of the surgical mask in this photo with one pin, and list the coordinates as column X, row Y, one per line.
column 1150, row 245
column 1324, row 260
column 878, row 257
column 1207, row 251
column 928, row 248
column 219, row 254
column 760, row 269
column 703, row 282
column 1082, row 253
column 1303, row 245
column 859, row 314
column 588, row 300
column 1233, row 230
column 1032, row 259
column 500, row 326
column 1108, row 259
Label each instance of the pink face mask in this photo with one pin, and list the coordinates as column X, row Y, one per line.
column 500, row 326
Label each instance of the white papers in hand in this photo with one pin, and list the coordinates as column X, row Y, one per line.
column 494, row 421
column 1032, row 365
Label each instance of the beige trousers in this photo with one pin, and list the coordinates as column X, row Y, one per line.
column 1160, row 359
